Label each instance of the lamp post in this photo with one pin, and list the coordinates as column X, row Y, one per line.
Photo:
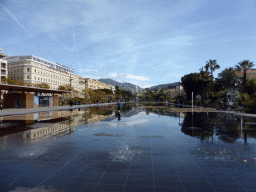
column 70, row 79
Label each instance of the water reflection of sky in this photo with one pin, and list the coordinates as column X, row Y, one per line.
column 216, row 137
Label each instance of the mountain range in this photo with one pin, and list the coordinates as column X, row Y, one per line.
column 166, row 86
column 125, row 85
column 131, row 87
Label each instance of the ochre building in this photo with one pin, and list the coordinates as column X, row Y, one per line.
column 35, row 70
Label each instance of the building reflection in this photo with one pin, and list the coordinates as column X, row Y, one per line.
column 39, row 125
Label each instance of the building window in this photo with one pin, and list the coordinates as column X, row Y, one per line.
column 35, row 77
column 28, row 69
column 44, row 79
column 13, row 77
column 17, row 77
column 20, row 69
column 41, row 72
column 14, row 70
column 28, row 76
column 35, row 70
column 20, row 77
column 41, row 78
column 38, row 78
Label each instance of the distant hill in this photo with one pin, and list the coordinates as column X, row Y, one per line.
column 166, row 86
column 128, row 86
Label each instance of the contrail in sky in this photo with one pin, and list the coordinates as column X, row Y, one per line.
column 14, row 18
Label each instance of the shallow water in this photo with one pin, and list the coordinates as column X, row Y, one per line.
column 136, row 149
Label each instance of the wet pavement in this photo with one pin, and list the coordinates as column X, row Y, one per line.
column 135, row 149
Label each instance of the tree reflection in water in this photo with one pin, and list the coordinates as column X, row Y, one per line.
column 227, row 127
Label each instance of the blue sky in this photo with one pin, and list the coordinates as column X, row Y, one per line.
column 145, row 42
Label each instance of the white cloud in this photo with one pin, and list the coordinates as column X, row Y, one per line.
column 140, row 78
column 128, row 76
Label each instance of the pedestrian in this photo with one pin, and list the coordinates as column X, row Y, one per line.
column 119, row 106
column 1, row 105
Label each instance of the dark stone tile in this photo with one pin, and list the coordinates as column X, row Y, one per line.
column 195, row 178
column 117, row 170
column 216, row 174
column 172, row 178
column 242, row 175
column 220, row 179
column 163, row 168
column 199, row 189
column 27, row 181
column 80, row 186
column 138, row 189
column 226, row 186
column 114, row 176
column 103, row 187
column 196, row 174
column 90, row 174
column 196, row 185
column 141, row 171
column 67, row 172
column 44, row 171
column 168, row 189
column 140, row 177
column 247, row 183
column 111, row 181
column 168, row 183
column 92, row 169
column 86, row 179
column 140, row 182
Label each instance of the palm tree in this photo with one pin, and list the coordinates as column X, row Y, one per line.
column 212, row 64
column 204, row 78
column 245, row 64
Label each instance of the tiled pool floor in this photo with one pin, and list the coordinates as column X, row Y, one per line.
column 139, row 153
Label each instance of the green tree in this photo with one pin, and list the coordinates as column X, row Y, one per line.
column 118, row 90
column 228, row 81
column 205, row 79
column 191, row 83
column 251, row 86
column 212, row 65
column 43, row 85
column 245, row 65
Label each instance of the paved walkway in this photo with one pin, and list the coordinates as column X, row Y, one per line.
column 19, row 111
column 222, row 111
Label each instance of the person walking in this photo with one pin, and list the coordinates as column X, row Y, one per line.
column 119, row 105
column 1, row 105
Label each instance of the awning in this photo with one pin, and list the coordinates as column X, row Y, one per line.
column 30, row 89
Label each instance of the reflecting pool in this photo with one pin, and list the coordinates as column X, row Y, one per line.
column 139, row 148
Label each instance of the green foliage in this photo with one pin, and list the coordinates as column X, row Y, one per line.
column 251, row 86
column 245, row 64
column 108, row 91
column 191, row 83
column 250, row 106
column 228, row 79
column 43, row 85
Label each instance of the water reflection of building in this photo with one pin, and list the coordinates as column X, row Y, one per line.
column 43, row 131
